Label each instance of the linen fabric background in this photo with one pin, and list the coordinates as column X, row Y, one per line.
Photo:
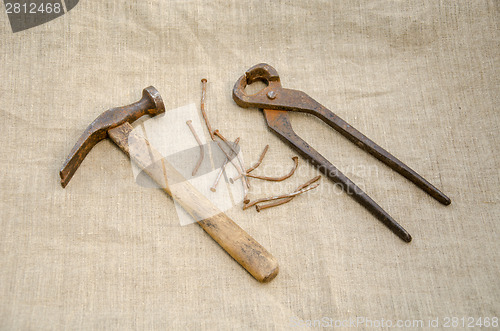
column 420, row 78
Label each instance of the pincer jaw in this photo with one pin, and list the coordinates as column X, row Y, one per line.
column 261, row 72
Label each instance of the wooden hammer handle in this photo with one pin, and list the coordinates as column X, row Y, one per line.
column 233, row 239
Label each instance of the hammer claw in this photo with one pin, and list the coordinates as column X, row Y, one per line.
column 82, row 147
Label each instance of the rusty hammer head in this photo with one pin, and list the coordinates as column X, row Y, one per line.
column 150, row 104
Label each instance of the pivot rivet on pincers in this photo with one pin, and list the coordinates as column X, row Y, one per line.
column 271, row 95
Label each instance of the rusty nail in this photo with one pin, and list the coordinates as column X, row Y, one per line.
column 203, row 112
column 202, row 151
column 219, row 175
column 229, row 158
column 246, row 185
column 289, row 195
column 261, row 158
column 286, row 200
column 271, row 95
column 279, row 179
column 241, row 171
column 255, row 166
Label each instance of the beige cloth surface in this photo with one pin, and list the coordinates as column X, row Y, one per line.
column 420, row 78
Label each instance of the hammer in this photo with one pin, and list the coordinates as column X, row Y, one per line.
column 115, row 124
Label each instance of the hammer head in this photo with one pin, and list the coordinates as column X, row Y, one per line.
column 150, row 104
